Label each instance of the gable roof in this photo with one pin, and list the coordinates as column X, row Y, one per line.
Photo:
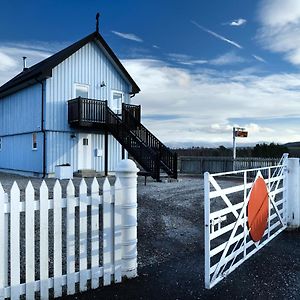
column 43, row 69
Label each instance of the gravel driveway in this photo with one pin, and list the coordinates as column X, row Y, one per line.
column 171, row 252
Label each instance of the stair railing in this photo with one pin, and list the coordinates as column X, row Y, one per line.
column 144, row 155
column 168, row 159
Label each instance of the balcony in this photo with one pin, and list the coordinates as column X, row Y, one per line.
column 83, row 112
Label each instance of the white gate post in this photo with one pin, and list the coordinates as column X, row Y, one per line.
column 293, row 193
column 126, row 171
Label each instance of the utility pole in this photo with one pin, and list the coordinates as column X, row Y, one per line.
column 234, row 142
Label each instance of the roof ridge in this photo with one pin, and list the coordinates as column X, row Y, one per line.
column 43, row 69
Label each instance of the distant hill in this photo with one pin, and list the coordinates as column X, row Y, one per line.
column 292, row 145
column 294, row 149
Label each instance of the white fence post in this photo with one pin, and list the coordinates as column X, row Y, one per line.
column 126, row 172
column 293, row 194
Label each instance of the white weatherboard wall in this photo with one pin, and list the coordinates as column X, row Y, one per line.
column 90, row 66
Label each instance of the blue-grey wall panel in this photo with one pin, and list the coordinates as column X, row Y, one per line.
column 21, row 111
column 62, row 148
column 16, row 153
column 89, row 66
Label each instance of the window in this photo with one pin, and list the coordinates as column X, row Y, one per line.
column 34, row 141
column 116, row 103
column 81, row 90
column 85, row 142
column 0, row 144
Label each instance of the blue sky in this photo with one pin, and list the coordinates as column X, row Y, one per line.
column 203, row 66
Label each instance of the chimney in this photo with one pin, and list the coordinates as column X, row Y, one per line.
column 24, row 63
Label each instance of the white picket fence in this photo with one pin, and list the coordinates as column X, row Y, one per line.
column 70, row 243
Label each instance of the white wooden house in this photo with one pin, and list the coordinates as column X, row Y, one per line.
column 74, row 108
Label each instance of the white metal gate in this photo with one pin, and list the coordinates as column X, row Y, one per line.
column 228, row 242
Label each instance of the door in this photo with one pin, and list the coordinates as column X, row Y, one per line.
column 116, row 102
column 85, row 152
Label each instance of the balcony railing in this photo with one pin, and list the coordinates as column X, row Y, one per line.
column 86, row 112
column 83, row 111
column 134, row 110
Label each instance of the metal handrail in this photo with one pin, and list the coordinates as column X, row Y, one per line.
column 167, row 157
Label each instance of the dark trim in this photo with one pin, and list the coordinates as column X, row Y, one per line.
column 43, row 69
column 18, row 170
column 106, row 153
column 59, row 131
column 43, row 127
column 123, row 152
column 22, row 133
column 44, row 132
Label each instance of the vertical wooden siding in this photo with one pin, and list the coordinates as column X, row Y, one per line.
column 63, row 149
column 17, row 153
column 88, row 65
column 21, row 111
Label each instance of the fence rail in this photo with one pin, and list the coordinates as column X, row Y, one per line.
column 60, row 246
column 200, row 164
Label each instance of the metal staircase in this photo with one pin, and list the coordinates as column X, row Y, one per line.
column 164, row 157
column 127, row 129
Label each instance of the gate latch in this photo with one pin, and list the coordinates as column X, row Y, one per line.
column 217, row 222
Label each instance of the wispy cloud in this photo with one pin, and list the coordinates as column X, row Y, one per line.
column 228, row 58
column 258, row 58
column 200, row 103
column 280, row 28
column 6, row 62
column 237, row 22
column 186, row 59
column 128, row 36
column 216, row 35
column 11, row 56
column 207, row 97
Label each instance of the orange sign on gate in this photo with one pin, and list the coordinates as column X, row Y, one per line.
column 258, row 209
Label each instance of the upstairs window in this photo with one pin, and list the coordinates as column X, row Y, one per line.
column 81, row 90
column 34, row 141
column 85, row 142
column 116, row 102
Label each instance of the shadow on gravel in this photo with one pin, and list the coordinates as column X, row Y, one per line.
column 171, row 257
column 273, row 273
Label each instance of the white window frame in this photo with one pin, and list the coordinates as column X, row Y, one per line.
column 80, row 85
column 111, row 98
column 32, row 141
